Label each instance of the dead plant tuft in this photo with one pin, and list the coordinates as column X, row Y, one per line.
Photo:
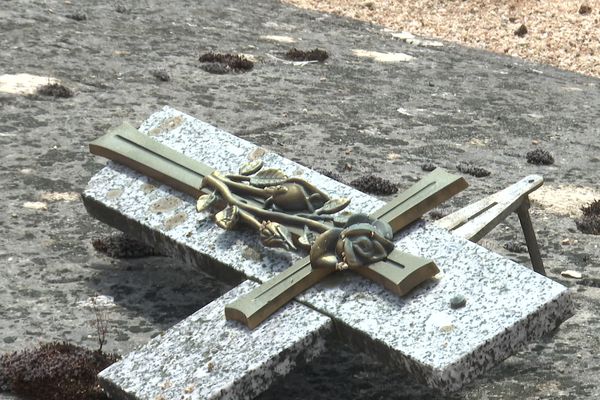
column 55, row 371
column 311, row 55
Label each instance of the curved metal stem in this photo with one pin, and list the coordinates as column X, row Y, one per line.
column 222, row 186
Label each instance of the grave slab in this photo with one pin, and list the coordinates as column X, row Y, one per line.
column 207, row 357
column 507, row 304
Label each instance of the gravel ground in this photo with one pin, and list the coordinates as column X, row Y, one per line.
column 563, row 33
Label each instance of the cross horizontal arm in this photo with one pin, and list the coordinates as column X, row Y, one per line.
column 399, row 273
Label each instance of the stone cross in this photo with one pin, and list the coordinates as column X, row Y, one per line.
column 398, row 272
column 206, row 356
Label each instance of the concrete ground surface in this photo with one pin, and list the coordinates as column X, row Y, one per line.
column 352, row 114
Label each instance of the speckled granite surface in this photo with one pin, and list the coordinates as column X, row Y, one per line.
column 507, row 304
column 207, row 357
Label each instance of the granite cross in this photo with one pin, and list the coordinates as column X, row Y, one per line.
column 507, row 304
column 397, row 271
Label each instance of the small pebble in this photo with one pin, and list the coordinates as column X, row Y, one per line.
column 584, row 9
column 458, row 301
column 522, row 31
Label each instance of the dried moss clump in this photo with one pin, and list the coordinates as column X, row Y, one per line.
column 55, row 371
column 515, row 247
column 539, row 157
column 78, row 16
column 121, row 9
column 374, row 184
column 217, row 63
column 468, row 168
column 584, row 9
column 428, row 166
column 331, row 174
column 121, row 246
column 161, row 75
column 311, row 55
column 437, row 214
column 55, row 90
column 590, row 220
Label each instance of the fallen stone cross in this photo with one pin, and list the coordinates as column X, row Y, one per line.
column 356, row 241
column 208, row 356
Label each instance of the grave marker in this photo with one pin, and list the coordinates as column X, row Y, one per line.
column 397, row 271
column 507, row 304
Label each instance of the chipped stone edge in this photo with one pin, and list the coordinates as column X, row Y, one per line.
column 546, row 319
column 253, row 382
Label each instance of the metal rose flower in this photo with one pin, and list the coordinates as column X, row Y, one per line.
column 364, row 241
column 361, row 242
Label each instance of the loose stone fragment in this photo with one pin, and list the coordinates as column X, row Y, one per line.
column 382, row 57
column 60, row 196
column 539, row 157
column 571, row 274
column 36, row 205
column 374, row 184
column 468, row 168
column 279, row 38
column 458, row 301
